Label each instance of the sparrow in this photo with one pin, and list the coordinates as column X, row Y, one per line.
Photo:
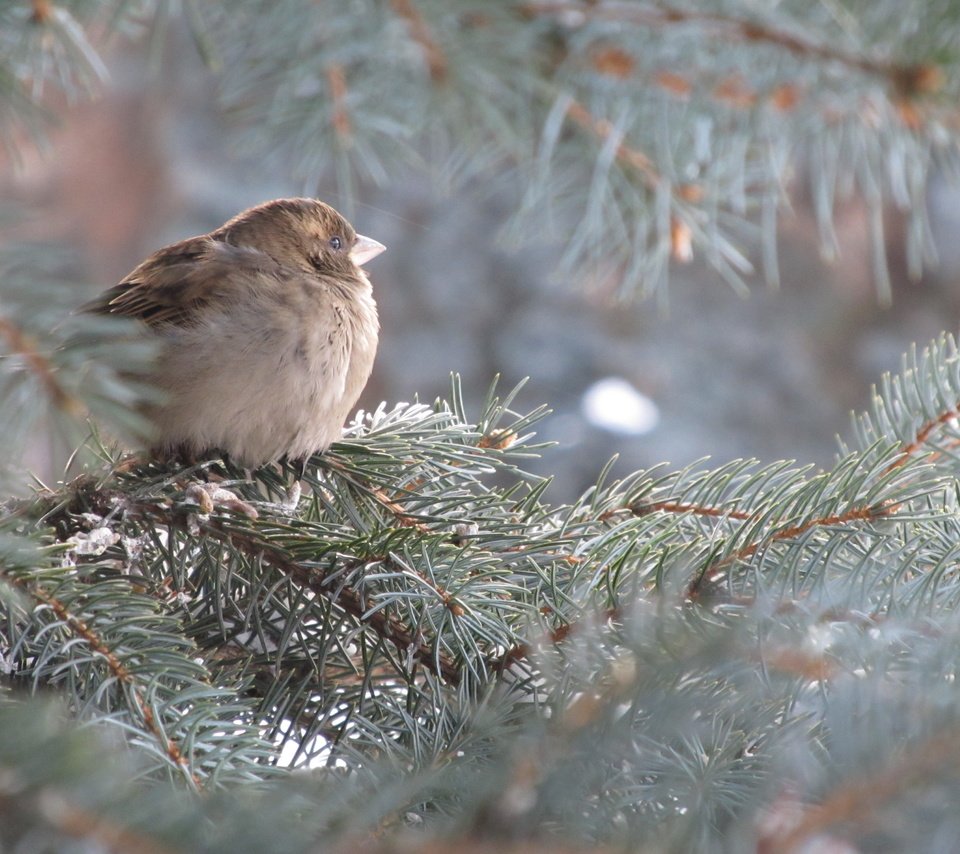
column 267, row 329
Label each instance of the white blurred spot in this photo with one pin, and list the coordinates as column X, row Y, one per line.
column 615, row 405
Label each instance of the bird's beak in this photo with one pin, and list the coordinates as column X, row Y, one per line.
column 365, row 248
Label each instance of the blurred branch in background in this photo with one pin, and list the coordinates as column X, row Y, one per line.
column 726, row 656
column 676, row 151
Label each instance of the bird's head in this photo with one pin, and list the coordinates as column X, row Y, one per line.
column 301, row 232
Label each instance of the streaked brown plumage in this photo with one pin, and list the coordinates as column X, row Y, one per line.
column 268, row 328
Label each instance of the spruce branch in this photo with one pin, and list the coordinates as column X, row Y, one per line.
column 705, row 175
column 750, row 30
column 604, row 131
column 420, row 32
column 661, row 184
column 161, row 707
column 714, row 571
column 923, row 435
column 76, row 823
column 788, row 519
column 348, row 569
column 19, row 343
column 122, row 674
column 386, row 625
column 677, row 657
column 42, row 10
column 337, row 81
column 366, row 625
column 857, row 800
column 61, row 367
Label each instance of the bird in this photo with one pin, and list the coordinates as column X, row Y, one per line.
column 267, row 330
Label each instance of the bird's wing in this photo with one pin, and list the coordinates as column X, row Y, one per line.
column 175, row 284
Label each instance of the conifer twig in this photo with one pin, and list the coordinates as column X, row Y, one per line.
column 41, row 11
column 21, row 343
column 712, row 571
column 420, row 31
column 120, row 671
column 388, row 626
column 101, row 832
column 642, row 508
column 910, row 448
column 910, row 78
column 857, row 798
column 337, row 83
column 602, row 129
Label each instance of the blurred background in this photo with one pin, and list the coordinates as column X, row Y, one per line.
column 709, row 373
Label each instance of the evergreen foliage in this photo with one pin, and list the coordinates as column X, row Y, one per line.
column 747, row 657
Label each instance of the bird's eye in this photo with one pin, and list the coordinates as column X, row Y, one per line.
column 335, row 243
